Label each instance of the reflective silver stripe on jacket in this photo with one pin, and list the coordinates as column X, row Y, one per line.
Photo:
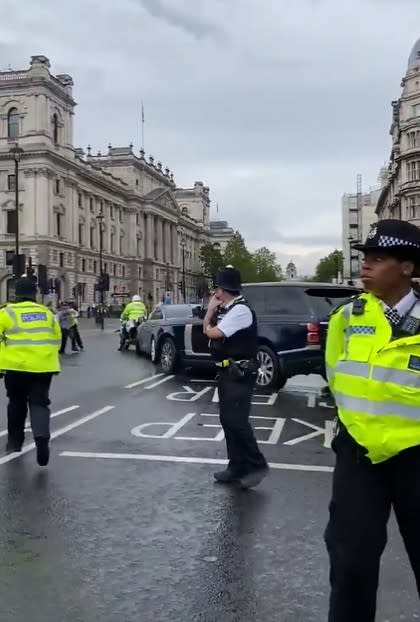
column 30, row 342
column 16, row 330
column 368, row 407
column 379, row 373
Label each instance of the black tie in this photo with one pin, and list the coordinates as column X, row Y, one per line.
column 393, row 317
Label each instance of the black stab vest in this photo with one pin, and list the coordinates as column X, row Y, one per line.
column 242, row 345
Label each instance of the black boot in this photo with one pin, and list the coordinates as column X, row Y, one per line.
column 226, row 477
column 42, row 451
column 13, row 447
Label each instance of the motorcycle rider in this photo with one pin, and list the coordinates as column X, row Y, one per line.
column 133, row 312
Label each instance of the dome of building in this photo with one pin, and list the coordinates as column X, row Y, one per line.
column 414, row 59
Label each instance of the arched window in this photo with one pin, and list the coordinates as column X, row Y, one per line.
column 55, row 128
column 13, row 123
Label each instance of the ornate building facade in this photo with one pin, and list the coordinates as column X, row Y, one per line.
column 72, row 202
column 400, row 195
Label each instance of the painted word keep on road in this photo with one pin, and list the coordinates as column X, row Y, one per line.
column 273, row 428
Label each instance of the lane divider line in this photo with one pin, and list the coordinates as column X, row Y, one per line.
column 142, row 381
column 156, row 384
column 56, row 414
column 58, row 433
column 188, row 460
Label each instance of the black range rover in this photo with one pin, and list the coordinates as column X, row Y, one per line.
column 292, row 323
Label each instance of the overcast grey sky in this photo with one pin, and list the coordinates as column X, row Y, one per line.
column 275, row 104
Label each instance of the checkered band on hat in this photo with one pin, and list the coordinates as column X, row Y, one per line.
column 388, row 241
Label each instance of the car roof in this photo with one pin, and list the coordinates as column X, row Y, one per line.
column 299, row 284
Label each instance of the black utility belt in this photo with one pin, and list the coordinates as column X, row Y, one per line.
column 239, row 370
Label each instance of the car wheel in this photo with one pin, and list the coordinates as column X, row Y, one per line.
column 269, row 376
column 153, row 350
column 167, row 356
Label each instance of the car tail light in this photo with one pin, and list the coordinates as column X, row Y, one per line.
column 313, row 337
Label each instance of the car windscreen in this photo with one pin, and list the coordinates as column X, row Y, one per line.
column 174, row 312
column 323, row 301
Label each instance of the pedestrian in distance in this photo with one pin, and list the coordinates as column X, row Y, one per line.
column 231, row 326
column 66, row 321
column 75, row 328
column 30, row 341
column 373, row 363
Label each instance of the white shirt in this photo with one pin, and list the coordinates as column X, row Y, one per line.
column 236, row 319
column 404, row 305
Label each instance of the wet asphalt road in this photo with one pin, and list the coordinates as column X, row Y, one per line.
column 127, row 525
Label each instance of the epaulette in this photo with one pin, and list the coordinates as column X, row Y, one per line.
column 342, row 304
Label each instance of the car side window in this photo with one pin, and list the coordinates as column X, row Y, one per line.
column 156, row 315
column 283, row 301
column 254, row 296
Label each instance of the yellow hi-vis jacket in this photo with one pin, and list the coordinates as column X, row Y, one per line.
column 30, row 338
column 134, row 311
column 375, row 379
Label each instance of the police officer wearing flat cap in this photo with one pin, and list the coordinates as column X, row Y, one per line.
column 30, row 341
column 373, row 362
column 231, row 327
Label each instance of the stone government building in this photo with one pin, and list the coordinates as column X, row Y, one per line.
column 400, row 194
column 150, row 226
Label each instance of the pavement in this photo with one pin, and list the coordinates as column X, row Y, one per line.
column 127, row 525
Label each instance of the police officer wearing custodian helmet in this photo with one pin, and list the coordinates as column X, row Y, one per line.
column 30, row 341
column 231, row 327
column 373, row 362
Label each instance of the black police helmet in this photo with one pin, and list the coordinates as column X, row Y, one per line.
column 229, row 279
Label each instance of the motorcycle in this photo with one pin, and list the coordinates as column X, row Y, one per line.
column 128, row 333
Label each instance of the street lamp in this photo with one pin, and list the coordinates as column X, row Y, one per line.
column 183, row 242
column 16, row 152
column 100, row 219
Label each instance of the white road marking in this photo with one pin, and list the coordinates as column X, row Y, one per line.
column 173, row 428
column 156, row 384
column 188, row 460
column 56, row 414
column 142, row 381
column 191, row 395
column 58, row 433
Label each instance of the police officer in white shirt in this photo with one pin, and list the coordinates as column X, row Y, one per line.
column 231, row 327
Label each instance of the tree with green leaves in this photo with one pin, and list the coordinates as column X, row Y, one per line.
column 266, row 266
column 237, row 255
column 211, row 260
column 329, row 267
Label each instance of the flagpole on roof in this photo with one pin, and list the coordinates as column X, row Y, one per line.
column 142, row 125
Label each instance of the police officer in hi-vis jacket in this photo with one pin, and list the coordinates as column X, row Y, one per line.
column 373, row 363
column 29, row 356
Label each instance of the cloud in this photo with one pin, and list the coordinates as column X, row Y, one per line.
column 187, row 21
column 276, row 105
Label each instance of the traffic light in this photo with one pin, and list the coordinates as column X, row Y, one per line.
column 43, row 284
column 18, row 266
column 102, row 284
column 180, row 286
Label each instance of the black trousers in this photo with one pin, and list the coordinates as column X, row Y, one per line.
column 27, row 390
column 65, row 334
column 356, row 535
column 77, row 338
column 235, row 407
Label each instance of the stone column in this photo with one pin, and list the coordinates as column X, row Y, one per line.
column 175, row 246
column 160, row 253
column 132, row 233
column 167, row 242
column 149, row 236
